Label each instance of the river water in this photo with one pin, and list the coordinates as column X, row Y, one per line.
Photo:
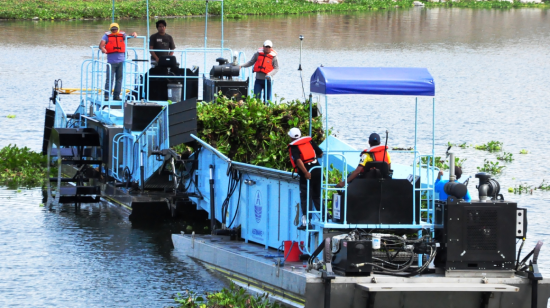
column 491, row 73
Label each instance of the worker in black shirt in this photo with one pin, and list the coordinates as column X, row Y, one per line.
column 161, row 41
column 303, row 156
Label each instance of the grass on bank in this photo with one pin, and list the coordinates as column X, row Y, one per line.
column 79, row 9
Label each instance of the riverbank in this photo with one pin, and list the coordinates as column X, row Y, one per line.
column 101, row 9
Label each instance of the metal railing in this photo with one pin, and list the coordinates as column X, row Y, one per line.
column 127, row 159
column 60, row 116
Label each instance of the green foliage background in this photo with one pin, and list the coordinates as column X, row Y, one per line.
column 77, row 9
column 252, row 132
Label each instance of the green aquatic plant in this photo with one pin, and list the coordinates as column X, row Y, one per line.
column 22, row 167
column 83, row 9
column 491, row 167
column 441, row 163
column 10, row 116
column 544, row 186
column 252, row 132
column 233, row 297
column 463, row 145
column 507, row 157
column 491, row 146
column 523, row 188
column 523, row 151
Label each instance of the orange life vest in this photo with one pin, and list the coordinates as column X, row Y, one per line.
column 115, row 43
column 377, row 153
column 307, row 153
column 264, row 64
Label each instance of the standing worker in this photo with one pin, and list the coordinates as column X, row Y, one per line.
column 303, row 157
column 375, row 152
column 112, row 43
column 161, row 41
column 266, row 66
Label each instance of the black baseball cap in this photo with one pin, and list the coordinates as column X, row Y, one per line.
column 374, row 138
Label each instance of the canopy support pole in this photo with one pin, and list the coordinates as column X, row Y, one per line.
column 415, row 157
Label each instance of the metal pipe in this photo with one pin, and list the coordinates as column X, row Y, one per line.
column 310, row 112
column 212, row 204
column 221, row 51
column 205, row 35
column 452, row 176
column 327, row 292
column 148, row 36
column 414, row 161
column 534, row 293
column 142, row 172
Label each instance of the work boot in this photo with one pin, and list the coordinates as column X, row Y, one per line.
column 303, row 225
column 117, row 98
column 106, row 98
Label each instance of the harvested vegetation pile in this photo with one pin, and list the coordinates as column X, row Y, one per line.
column 252, row 132
column 22, row 167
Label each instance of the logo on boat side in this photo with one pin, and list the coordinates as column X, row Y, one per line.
column 258, row 233
column 258, row 206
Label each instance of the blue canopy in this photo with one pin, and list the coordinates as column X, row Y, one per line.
column 372, row 81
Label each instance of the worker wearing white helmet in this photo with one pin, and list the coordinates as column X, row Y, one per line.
column 266, row 66
column 304, row 154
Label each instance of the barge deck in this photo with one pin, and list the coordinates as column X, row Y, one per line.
column 253, row 267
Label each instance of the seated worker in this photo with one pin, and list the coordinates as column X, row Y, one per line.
column 440, row 184
column 161, row 41
column 303, row 157
column 376, row 152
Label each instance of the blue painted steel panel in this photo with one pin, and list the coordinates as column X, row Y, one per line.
column 372, row 81
column 268, row 204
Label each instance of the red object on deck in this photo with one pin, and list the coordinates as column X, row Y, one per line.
column 294, row 255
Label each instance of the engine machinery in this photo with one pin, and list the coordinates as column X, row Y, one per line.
column 224, row 79
column 472, row 235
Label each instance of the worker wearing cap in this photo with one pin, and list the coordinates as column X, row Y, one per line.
column 304, row 154
column 112, row 43
column 375, row 152
column 266, row 66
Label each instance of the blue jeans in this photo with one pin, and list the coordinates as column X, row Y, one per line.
column 116, row 77
column 259, row 85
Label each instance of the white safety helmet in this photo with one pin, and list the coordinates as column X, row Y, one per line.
column 268, row 43
column 294, row 133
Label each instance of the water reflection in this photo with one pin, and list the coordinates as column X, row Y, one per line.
column 91, row 258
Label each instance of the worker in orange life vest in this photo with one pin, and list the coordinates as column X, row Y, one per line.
column 266, row 65
column 112, row 43
column 304, row 154
column 376, row 152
